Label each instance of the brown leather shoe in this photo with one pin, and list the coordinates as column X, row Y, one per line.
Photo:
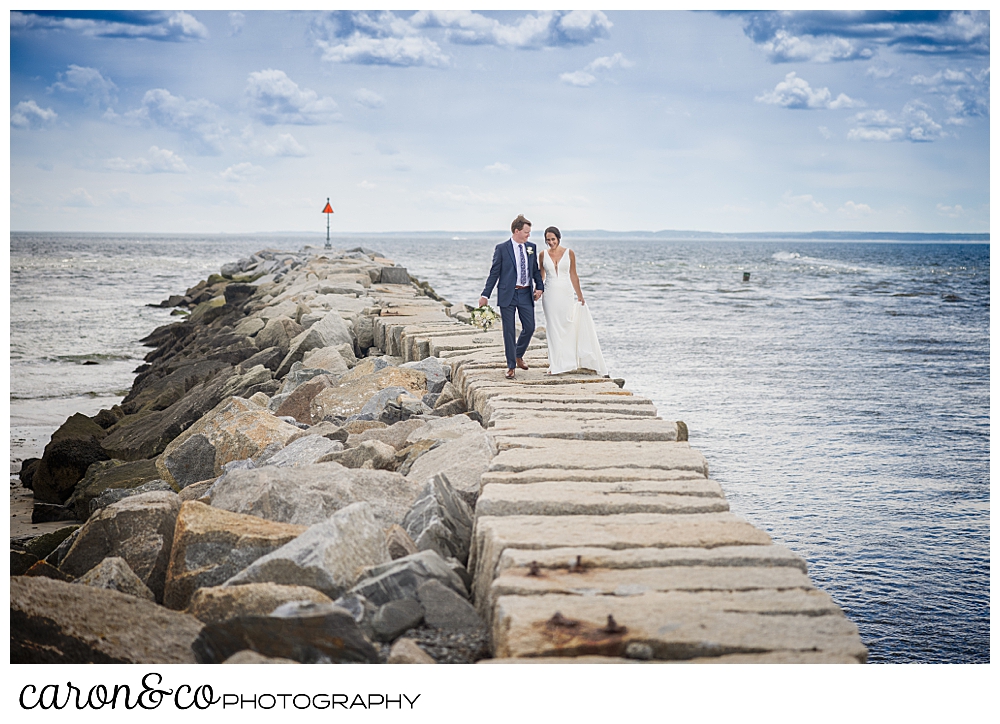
column 509, row 374
column 520, row 363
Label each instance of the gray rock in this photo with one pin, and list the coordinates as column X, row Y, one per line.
column 52, row 622
column 323, row 429
column 312, row 493
column 114, row 574
column 252, row 657
column 139, row 529
column 193, row 461
column 394, row 275
column 399, row 542
column 448, row 409
column 269, row 358
column 304, row 451
column 394, row 435
column 449, row 393
column 401, row 578
column 56, row 557
column 406, row 651
column 115, row 494
column 395, row 618
column 21, row 561
column 369, row 454
column 449, row 428
column 439, row 520
column 430, row 399
column 297, row 377
column 437, row 373
column 219, row 603
column 361, row 609
column 376, row 404
column 329, row 556
column 331, row 331
column 463, row 460
column 278, row 332
column 42, row 545
column 445, row 609
column 326, row 636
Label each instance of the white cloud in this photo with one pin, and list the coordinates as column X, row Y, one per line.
column 198, row 119
column 914, row 124
column 497, row 168
column 368, row 98
column 578, row 78
column 854, row 211
column 967, row 92
column 795, row 92
column 544, row 29
column 367, row 185
column 804, row 202
column 275, row 98
column 28, row 114
column 149, row 25
column 405, row 51
column 609, row 62
column 784, row 47
column 88, row 82
column 880, row 72
column 952, row 212
column 158, row 160
column 79, row 198
column 236, row 22
column 241, row 172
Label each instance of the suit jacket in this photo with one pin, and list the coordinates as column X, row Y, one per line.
column 504, row 271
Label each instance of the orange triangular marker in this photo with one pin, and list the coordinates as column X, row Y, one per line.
column 327, row 210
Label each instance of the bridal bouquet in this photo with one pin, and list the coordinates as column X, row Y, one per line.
column 484, row 317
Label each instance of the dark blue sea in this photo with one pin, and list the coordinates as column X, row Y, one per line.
column 841, row 395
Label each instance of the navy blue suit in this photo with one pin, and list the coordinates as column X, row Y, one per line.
column 511, row 299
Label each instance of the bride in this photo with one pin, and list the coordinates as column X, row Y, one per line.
column 569, row 328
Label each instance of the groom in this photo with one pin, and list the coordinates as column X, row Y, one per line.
column 515, row 266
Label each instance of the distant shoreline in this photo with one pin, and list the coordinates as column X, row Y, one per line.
column 665, row 235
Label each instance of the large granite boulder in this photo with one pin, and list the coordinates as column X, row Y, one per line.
column 440, row 520
column 402, row 577
column 318, row 634
column 437, row 373
column 278, row 332
column 350, row 394
column 219, row 603
column 305, row 450
column 113, row 495
column 329, row 556
column 445, row 428
column 330, row 359
column 463, row 460
column 211, row 545
column 74, row 447
column 394, row 435
column 113, row 574
column 65, row 623
column 139, row 529
column 110, row 475
column 371, row 454
column 145, row 435
column 331, row 331
column 312, row 493
column 237, row 429
column 445, row 609
column 298, row 402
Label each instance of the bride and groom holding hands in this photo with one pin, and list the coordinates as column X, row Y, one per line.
column 523, row 275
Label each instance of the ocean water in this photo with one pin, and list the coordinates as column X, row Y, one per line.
column 841, row 395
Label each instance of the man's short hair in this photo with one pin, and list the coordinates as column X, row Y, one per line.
column 519, row 223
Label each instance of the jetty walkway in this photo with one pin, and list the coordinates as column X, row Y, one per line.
column 323, row 462
column 599, row 534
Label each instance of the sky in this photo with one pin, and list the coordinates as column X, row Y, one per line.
column 243, row 121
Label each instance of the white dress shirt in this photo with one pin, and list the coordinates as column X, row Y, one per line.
column 521, row 282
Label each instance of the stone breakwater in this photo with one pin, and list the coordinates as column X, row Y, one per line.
column 323, row 462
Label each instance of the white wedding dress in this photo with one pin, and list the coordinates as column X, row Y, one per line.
column 569, row 328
